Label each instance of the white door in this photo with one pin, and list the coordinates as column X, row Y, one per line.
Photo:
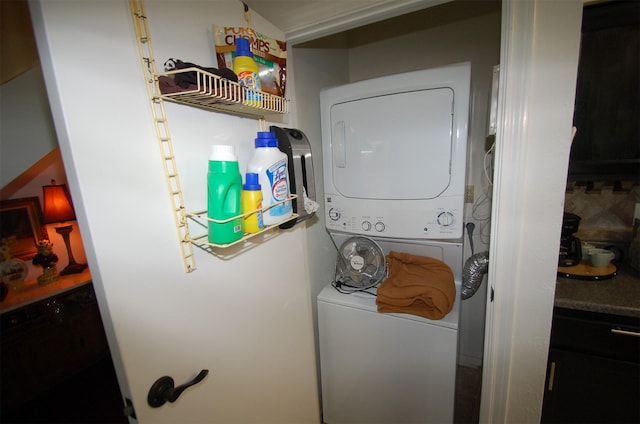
column 245, row 319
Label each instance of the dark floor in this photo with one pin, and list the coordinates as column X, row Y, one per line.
column 91, row 396
column 468, row 387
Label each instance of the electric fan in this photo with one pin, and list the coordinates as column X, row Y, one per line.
column 360, row 264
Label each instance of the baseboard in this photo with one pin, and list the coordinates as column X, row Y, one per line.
column 469, row 361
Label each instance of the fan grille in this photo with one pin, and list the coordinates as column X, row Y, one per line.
column 360, row 263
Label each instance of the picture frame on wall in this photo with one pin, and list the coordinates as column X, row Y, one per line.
column 21, row 226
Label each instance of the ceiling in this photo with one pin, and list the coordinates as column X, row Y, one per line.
column 305, row 20
column 18, row 51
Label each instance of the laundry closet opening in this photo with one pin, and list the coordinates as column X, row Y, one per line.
column 442, row 35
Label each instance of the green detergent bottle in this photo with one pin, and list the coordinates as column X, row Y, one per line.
column 224, row 184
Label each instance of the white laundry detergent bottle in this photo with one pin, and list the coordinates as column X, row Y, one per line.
column 271, row 166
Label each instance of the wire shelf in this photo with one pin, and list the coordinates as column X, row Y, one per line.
column 202, row 218
column 212, row 92
column 209, row 92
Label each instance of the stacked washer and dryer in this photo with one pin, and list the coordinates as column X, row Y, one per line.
column 394, row 157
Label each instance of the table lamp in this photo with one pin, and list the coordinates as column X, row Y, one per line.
column 57, row 209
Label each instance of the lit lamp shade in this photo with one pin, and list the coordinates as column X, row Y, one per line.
column 57, row 204
column 57, row 208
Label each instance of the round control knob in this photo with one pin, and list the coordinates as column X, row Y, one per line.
column 380, row 226
column 445, row 219
column 334, row 215
column 366, row 225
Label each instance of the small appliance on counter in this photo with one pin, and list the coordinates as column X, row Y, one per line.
column 576, row 260
column 570, row 246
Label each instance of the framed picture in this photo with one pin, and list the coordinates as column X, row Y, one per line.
column 21, row 226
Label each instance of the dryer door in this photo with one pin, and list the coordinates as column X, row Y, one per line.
column 395, row 146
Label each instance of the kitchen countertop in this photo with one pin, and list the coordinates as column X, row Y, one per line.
column 619, row 295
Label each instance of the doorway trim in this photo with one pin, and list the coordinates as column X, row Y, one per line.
column 540, row 43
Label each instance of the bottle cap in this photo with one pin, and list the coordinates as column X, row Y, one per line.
column 266, row 139
column 243, row 47
column 253, row 183
column 223, row 153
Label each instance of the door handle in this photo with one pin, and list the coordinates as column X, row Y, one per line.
column 625, row 332
column 552, row 376
column 338, row 140
column 164, row 390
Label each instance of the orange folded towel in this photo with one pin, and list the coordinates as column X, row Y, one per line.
column 417, row 285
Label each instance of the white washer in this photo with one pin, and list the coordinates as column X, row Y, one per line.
column 394, row 158
column 387, row 368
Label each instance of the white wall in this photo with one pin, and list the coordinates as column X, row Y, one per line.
column 314, row 69
column 441, row 35
column 27, row 132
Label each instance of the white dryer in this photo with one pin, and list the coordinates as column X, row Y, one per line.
column 394, row 153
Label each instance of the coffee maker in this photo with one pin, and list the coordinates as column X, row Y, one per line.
column 570, row 246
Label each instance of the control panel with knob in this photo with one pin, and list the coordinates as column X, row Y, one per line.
column 403, row 219
column 445, row 219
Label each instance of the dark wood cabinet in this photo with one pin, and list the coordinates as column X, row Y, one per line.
column 593, row 370
column 606, row 146
column 45, row 342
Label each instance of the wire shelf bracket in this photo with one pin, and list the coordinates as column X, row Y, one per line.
column 148, row 64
